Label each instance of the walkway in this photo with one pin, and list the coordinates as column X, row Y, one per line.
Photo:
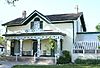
column 7, row 64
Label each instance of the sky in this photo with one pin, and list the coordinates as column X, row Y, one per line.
column 90, row 9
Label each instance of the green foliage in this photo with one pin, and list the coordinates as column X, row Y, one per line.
column 98, row 47
column 2, row 40
column 65, row 58
column 87, row 61
column 52, row 43
column 99, row 37
column 98, row 27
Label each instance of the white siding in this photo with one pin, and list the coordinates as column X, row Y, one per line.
column 27, row 45
column 88, row 37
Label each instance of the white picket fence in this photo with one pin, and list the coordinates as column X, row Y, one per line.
column 86, row 45
column 86, row 50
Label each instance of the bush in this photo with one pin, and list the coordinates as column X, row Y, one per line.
column 87, row 61
column 65, row 58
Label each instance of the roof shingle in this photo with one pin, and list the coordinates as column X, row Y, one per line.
column 55, row 17
column 61, row 17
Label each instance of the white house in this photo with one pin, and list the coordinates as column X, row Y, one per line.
column 28, row 35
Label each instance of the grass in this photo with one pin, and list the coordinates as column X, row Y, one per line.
column 57, row 66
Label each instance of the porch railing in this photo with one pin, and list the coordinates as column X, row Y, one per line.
column 86, row 45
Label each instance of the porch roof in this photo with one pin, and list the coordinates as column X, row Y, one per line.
column 36, row 34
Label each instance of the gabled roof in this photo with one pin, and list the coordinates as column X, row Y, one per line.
column 63, row 17
column 48, row 18
column 16, row 21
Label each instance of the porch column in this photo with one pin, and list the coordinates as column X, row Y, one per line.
column 38, row 48
column 58, row 46
column 21, row 46
column 8, row 47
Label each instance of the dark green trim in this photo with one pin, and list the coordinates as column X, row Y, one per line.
column 73, row 32
column 83, row 23
column 88, row 32
column 32, row 25
column 36, row 34
column 77, row 26
column 61, row 40
column 41, row 24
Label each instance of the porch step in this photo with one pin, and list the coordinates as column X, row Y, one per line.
column 45, row 61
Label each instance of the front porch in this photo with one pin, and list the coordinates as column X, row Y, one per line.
column 28, row 45
column 86, row 50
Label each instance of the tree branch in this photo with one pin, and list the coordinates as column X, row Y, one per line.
column 11, row 2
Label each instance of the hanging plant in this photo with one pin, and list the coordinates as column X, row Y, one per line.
column 52, row 43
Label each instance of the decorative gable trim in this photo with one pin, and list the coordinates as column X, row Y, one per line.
column 32, row 15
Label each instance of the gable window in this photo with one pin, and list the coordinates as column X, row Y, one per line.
column 37, row 24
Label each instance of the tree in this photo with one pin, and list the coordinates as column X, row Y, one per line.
column 98, row 29
column 2, row 41
column 52, row 45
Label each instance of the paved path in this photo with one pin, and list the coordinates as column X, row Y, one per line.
column 9, row 64
column 6, row 64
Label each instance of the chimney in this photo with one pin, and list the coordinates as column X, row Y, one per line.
column 24, row 14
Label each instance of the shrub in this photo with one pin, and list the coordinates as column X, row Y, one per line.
column 65, row 58
column 87, row 61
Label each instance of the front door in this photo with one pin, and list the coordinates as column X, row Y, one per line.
column 34, row 47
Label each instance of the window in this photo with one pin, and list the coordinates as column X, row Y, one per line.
column 37, row 19
column 37, row 25
column 77, row 51
column 34, row 24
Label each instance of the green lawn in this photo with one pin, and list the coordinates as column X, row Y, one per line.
column 57, row 66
